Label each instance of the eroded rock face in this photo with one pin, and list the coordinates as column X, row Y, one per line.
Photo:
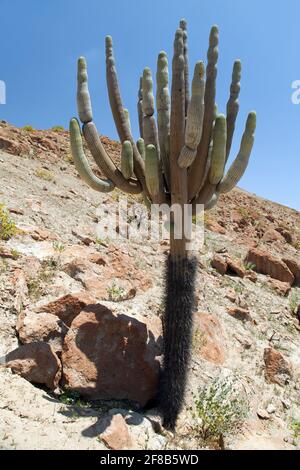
column 277, row 370
column 265, row 263
column 112, row 356
column 35, row 362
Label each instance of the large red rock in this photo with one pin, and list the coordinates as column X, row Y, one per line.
column 35, row 362
column 107, row 355
column 277, row 368
column 208, row 340
column 265, row 263
column 294, row 267
column 34, row 327
column 66, row 308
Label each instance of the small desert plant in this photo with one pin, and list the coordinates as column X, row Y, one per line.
column 58, row 129
column 44, row 174
column 7, row 226
column 294, row 301
column 250, row 266
column 58, row 247
column 28, row 128
column 115, row 292
column 45, row 274
column 295, row 427
column 220, row 408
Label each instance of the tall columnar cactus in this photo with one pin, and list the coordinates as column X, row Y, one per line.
column 179, row 159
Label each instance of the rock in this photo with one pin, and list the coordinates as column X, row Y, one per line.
column 113, row 276
column 209, row 340
column 271, row 409
column 240, row 314
column 219, row 263
column 41, row 234
column 85, row 238
column 283, row 288
column 262, row 414
column 294, row 267
column 231, row 295
column 45, row 327
column 235, row 267
column 116, row 436
column 107, row 355
column 286, row 234
column 215, row 227
column 265, row 263
column 35, row 362
column 68, row 307
column 277, row 368
column 272, row 235
column 251, row 275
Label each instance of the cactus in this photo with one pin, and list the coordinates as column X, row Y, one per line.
column 179, row 160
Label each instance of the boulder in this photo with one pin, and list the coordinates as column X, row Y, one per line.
column 67, row 308
column 283, row 288
column 35, row 362
column 235, row 267
column 107, row 355
column 277, row 368
column 265, row 263
column 294, row 267
column 34, row 327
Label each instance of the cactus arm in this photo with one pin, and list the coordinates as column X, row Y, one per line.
column 105, row 163
column 127, row 117
column 81, row 162
column 127, row 160
column 150, row 129
column 152, row 171
column 233, row 104
column 183, row 26
column 177, row 126
column 218, row 153
column 240, row 164
column 114, row 92
column 163, row 111
column 84, row 105
column 194, row 122
column 197, row 169
column 118, row 111
column 140, row 107
column 141, row 147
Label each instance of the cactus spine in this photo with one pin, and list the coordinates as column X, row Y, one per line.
column 179, row 160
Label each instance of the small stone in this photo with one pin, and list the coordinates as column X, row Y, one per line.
column 240, row 314
column 271, row 408
column 262, row 414
column 220, row 264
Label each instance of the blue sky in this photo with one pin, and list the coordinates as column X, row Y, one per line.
column 41, row 40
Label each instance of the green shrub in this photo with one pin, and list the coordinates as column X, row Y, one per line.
column 44, row 174
column 220, row 408
column 58, row 129
column 7, row 226
column 28, row 128
column 115, row 292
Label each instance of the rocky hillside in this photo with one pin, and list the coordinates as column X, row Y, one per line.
column 80, row 327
